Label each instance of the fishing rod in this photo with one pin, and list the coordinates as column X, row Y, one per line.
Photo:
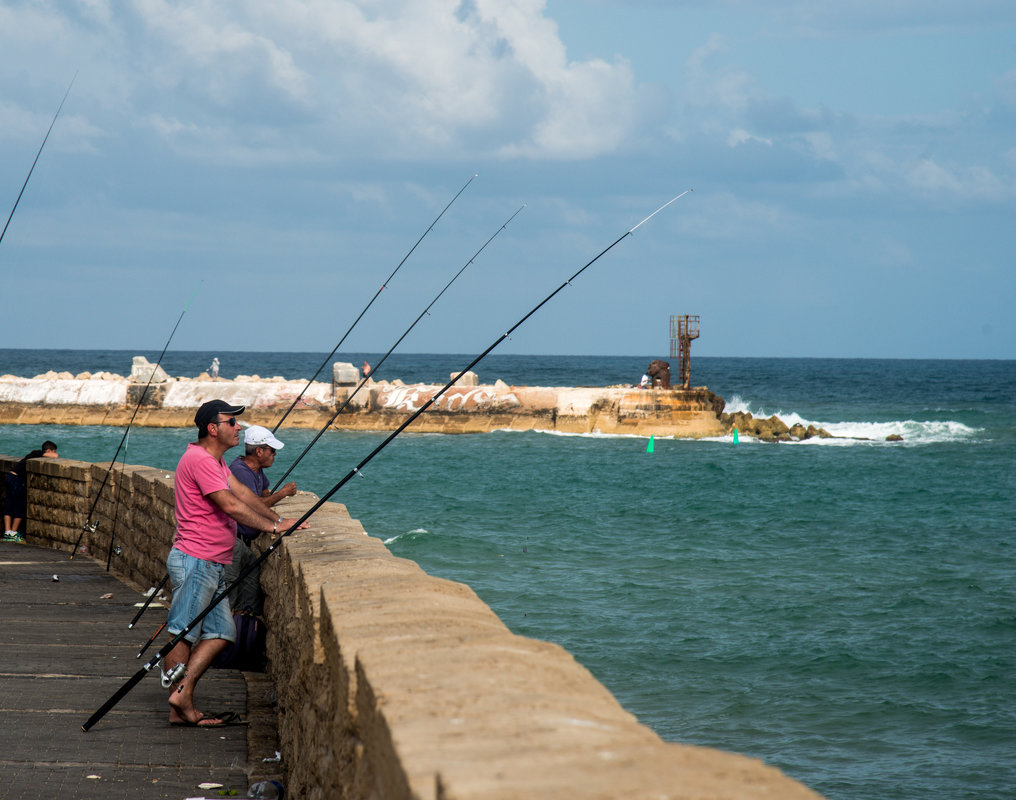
column 391, row 350
column 89, row 525
column 148, row 602
column 355, row 321
column 116, row 506
column 148, row 644
column 162, row 653
column 25, row 184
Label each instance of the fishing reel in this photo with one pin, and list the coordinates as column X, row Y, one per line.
column 174, row 675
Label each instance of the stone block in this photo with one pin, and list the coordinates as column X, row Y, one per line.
column 467, row 379
column 154, row 395
column 345, row 374
column 143, row 371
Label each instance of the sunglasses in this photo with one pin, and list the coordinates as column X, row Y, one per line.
column 231, row 422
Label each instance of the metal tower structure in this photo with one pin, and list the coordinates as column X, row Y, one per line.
column 683, row 328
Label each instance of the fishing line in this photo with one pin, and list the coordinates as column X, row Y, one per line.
column 161, row 654
column 383, row 286
column 57, row 114
column 89, row 525
column 390, row 351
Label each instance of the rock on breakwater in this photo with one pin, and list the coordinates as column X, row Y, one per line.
column 771, row 429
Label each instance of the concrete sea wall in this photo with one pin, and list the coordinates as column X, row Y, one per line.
column 392, row 683
column 468, row 407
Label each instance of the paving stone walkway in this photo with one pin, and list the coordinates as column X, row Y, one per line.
column 65, row 648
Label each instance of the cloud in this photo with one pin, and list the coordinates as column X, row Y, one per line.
column 206, row 42
column 388, row 78
column 740, row 136
column 710, row 86
column 969, row 183
column 18, row 123
column 722, row 216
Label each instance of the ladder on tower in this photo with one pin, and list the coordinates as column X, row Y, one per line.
column 683, row 328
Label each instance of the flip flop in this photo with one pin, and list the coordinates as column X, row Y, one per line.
column 225, row 720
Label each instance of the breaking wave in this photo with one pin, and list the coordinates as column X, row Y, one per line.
column 856, row 431
column 408, row 535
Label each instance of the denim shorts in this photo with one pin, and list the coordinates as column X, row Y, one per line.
column 195, row 583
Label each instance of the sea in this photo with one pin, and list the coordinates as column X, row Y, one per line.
column 844, row 609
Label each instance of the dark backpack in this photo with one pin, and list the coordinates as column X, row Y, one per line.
column 248, row 651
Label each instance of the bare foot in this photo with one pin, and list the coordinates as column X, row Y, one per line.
column 182, row 713
column 204, row 721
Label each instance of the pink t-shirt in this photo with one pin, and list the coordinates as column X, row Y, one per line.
column 203, row 530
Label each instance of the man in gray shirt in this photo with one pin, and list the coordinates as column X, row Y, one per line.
column 260, row 446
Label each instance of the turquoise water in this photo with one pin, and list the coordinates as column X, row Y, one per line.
column 845, row 610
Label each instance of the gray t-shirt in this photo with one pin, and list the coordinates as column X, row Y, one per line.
column 257, row 482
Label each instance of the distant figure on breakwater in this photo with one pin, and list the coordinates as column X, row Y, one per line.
column 646, row 382
column 213, row 370
column 366, row 369
column 16, row 501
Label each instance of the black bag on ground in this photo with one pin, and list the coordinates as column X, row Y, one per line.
column 248, row 651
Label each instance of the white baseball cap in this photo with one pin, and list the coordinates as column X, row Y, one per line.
column 255, row 435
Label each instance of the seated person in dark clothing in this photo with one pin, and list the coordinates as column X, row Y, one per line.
column 16, row 498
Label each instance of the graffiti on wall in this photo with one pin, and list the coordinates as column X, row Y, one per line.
column 412, row 398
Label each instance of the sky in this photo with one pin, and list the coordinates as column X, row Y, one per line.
column 263, row 166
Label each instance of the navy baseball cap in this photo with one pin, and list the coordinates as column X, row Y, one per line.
column 210, row 411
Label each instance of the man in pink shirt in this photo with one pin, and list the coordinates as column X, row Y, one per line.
column 209, row 503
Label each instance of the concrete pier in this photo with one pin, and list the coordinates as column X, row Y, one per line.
column 388, row 682
column 66, row 648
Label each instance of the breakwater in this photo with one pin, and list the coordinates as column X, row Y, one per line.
column 392, row 683
column 468, row 407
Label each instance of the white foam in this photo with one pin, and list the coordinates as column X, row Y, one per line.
column 588, row 435
column 737, row 405
column 850, row 432
column 417, row 531
column 913, row 431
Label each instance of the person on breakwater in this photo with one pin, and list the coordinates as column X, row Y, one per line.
column 16, row 498
column 213, row 370
column 260, row 446
column 209, row 503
